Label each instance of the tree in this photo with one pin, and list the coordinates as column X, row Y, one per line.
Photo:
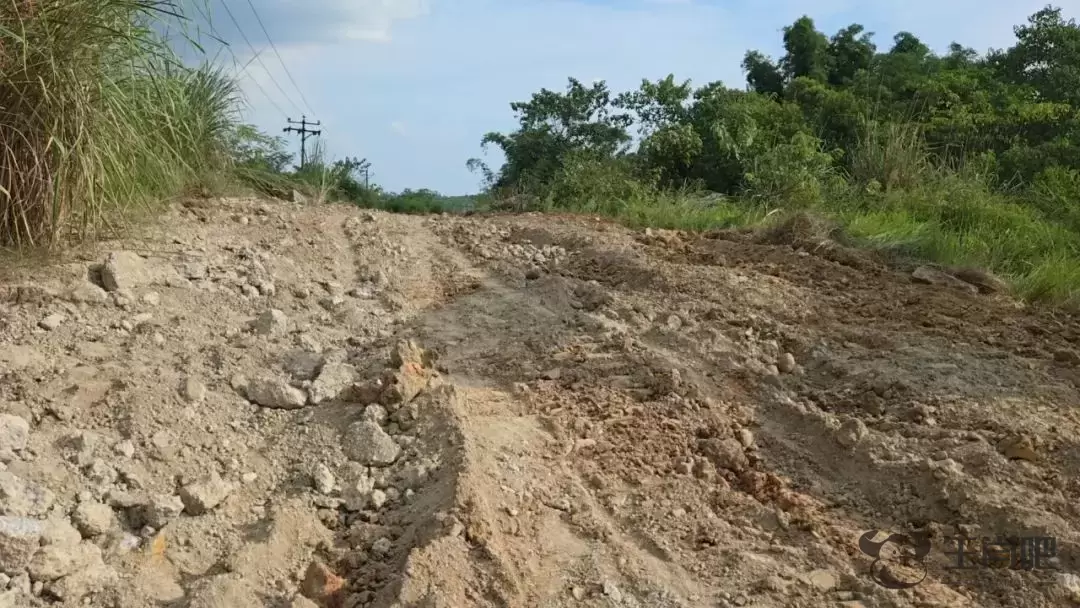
column 657, row 104
column 1046, row 57
column 850, row 51
column 551, row 125
column 807, row 51
column 762, row 74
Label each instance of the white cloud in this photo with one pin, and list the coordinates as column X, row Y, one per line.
column 373, row 20
column 413, row 85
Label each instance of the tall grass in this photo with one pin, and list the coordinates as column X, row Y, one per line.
column 97, row 116
column 890, row 155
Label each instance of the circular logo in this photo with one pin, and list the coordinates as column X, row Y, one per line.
column 902, row 566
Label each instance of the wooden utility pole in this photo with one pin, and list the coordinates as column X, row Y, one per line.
column 304, row 132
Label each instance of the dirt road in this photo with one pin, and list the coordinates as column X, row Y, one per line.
column 261, row 404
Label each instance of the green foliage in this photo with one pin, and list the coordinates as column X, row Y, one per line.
column 98, row 117
column 807, row 51
column 424, row 201
column 959, row 157
column 254, row 150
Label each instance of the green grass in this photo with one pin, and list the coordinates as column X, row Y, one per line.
column 948, row 218
column 98, row 118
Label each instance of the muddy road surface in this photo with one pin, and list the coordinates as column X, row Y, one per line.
column 261, row 404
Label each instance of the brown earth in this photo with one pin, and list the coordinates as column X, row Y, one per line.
column 524, row 410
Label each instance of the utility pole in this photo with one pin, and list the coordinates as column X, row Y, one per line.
column 304, row 132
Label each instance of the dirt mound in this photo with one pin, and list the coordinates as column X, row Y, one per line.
column 275, row 405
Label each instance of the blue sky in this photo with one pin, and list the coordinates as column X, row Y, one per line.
column 412, row 85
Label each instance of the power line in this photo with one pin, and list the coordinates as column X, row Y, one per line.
column 259, row 86
column 280, row 60
column 238, row 70
column 256, row 56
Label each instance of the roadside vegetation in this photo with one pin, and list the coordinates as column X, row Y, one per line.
column 962, row 158
column 100, row 119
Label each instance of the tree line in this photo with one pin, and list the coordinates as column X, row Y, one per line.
column 833, row 111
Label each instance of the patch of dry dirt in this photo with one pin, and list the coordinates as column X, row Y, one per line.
column 273, row 405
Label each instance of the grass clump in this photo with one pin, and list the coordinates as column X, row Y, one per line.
column 97, row 115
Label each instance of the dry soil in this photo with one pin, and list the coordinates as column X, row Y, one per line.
column 262, row 404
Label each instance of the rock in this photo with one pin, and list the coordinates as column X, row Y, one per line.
column 612, row 591
column 271, row 323
column 323, row 479
column 334, row 379
column 369, row 445
column 851, row 432
column 59, row 531
column 410, row 376
column 95, row 577
column 119, row 499
column 786, row 363
column 1020, row 447
column 239, row 383
column 21, row 498
column 193, row 390
column 376, row 413
column 160, row 509
column 88, row 293
column 300, row 602
column 303, row 365
column 532, row 274
column 322, row 585
column 52, row 321
column 125, row 270
column 93, row 519
column 746, row 437
column 224, row 591
column 100, row 472
column 19, row 540
column 725, row 453
column 21, row 582
column 125, row 448
column 194, row 270
column 578, row 593
column 331, row 303
column 931, row 276
column 164, row 447
column 946, row 468
column 202, row 496
column 14, row 433
column 982, row 279
column 1070, row 583
column 56, row 561
column 822, row 580
column 275, row 393
column 123, row 298
column 552, row 374
column 382, row 547
column 377, row 499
